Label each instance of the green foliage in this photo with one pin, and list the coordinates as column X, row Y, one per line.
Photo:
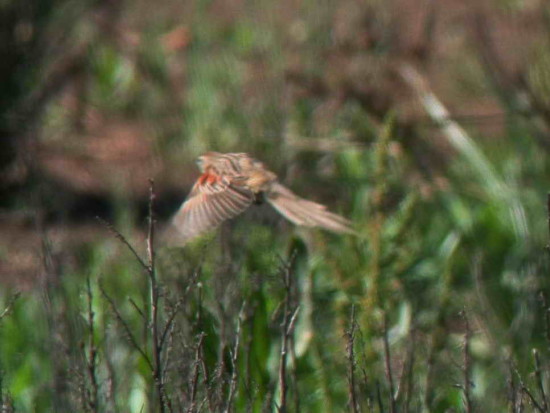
column 432, row 251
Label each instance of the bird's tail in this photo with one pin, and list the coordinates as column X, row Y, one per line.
column 303, row 212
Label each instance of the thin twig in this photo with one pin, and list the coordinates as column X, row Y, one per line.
column 176, row 308
column 405, row 386
column 466, row 368
column 532, row 399
column 169, row 322
column 125, row 326
column 282, row 372
column 364, row 375
column 525, row 390
column 248, row 358
column 387, row 359
column 538, row 375
column 548, row 217
column 151, row 229
column 123, row 239
column 110, row 385
column 234, row 357
column 139, row 310
column 379, row 397
column 195, row 375
column 512, row 392
column 154, row 293
column 292, row 322
column 290, row 348
column 156, row 365
column 546, row 309
column 521, row 402
column 91, row 360
column 167, row 349
column 350, row 334
column 205, row 375
column 287, row 325
column 295, row 387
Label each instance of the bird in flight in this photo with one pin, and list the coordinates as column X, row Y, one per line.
column 230, row 183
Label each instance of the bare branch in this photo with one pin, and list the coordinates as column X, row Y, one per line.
column 91, row 359
column 123, row 239
column 350, row 335
column 379, row 398
column 154, row 294
column 466, row 368
column 538, row 375
column 387, row 359
column 405, row 386
column 151, row 231
column 205, row 375
column 546, row 309
column 548, row 216
column 525, row 390
column 234, row 356
column 139, row 310
column 287, row 326
column 196, row 369
column 512, row 392
column 169, row 322
column 125, row 326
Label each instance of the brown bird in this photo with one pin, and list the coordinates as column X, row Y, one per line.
column 230, row 183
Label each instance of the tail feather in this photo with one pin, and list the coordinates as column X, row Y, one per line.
column 307, row 213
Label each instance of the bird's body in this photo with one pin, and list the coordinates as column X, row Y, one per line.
column 231, row 182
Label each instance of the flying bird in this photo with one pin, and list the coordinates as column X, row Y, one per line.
column 230, row 183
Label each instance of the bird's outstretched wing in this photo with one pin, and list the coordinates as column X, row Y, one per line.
column 303, row 212
column 212, row 200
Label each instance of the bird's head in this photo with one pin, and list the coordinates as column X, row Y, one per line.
column 206, row 160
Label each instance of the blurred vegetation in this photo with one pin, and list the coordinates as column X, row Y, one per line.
column 426, row 123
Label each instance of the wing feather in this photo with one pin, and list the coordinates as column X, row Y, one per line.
column 212, row 200
column 216, row 211
column 307, row 213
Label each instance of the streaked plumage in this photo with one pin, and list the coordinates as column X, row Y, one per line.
column 230, row 183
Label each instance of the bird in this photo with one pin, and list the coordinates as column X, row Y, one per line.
column 230, row 183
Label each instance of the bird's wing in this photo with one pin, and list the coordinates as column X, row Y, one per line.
column 212, row 200
column 303, row 212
